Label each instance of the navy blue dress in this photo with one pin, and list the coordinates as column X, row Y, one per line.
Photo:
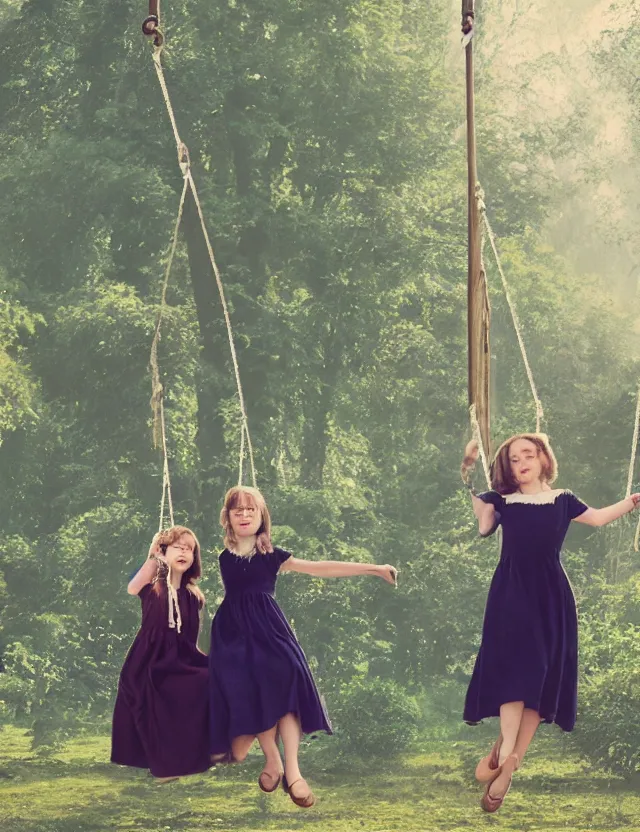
column 161, row 715
column 258, row 672
column 529, row 649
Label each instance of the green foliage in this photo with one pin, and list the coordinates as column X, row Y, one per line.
column 374, row 716
column 17, row 386
column 609, row 728
column 431, row 788
column 326, row 141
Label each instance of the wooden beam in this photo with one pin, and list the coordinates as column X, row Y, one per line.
column 479, row 312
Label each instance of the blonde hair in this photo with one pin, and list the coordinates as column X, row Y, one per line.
column 164, row 539
column 502, row 479
column 231, row 500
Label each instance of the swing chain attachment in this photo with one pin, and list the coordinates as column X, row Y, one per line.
column 151, row 24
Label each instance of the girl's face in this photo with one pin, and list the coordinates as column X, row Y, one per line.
column 245, row 517
column 525, row 461
column 180, row 553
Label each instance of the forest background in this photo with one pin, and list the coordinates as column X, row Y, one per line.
column 327, row 141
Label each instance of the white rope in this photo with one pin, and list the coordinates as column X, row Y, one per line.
column 175, row 618
column 156, row 384
column 172, row 251
column 475, row 424
column 157, row 53
column 225, row 310
column 516, row 321
column 184, row 164
column 632, row 464
column 475, row 428
column 173, row 612
column 166, row 479
column 158, row 393
column 162, row 501
column 241, row 459
column 634, row 446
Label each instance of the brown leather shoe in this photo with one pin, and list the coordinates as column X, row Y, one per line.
column 487, row 767
column 491, row 803
column 305, row 802
column 275, row 781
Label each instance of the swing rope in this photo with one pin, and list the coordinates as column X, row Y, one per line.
column 632, row 463
column 166, row 479
column 157, row 395
column 634, row 446
column 479, row 310
column 477, row 435
column 244, row 435
column 173, row 612
column 514, row 318
column 476, row 199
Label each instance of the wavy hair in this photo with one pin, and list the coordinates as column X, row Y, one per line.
column 502, row 479
column 193, row 573
column 231, row 500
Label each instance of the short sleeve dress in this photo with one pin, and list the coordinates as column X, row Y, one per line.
column 161, row 715
column 258, row 671
column 529, row 648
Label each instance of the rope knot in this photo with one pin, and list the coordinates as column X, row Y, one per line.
column 151, row 28
column 183, row 158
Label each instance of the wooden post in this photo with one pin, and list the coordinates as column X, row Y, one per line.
column 477, row 297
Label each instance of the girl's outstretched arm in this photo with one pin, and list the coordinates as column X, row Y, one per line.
column 147, row 572
column 602, row 516
column 338, row 569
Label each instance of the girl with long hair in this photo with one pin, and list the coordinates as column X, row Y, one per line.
column 261, row 685
column 526, row 670
column 161, row 715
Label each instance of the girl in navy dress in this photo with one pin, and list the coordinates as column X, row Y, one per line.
column 260, row 683
column 161, row 716
column 526, row 670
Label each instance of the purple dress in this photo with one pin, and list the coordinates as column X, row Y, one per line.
column 529, row 649
column 258, row 672
column 161, row 715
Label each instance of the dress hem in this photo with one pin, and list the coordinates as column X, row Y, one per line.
column 495, row 714
column 167, row 773
column 218, row 749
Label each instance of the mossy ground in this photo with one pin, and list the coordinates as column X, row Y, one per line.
column 432, row 788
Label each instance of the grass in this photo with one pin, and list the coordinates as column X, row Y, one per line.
column 432, row 788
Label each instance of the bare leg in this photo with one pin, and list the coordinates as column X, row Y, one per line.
column 291, row 732
column 273, row 763
column 240, row 746
column 529, row 722
column 528, row 727
column 488, row 765
column 510, row 719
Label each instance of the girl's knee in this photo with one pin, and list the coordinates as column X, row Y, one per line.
column 240, row 748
